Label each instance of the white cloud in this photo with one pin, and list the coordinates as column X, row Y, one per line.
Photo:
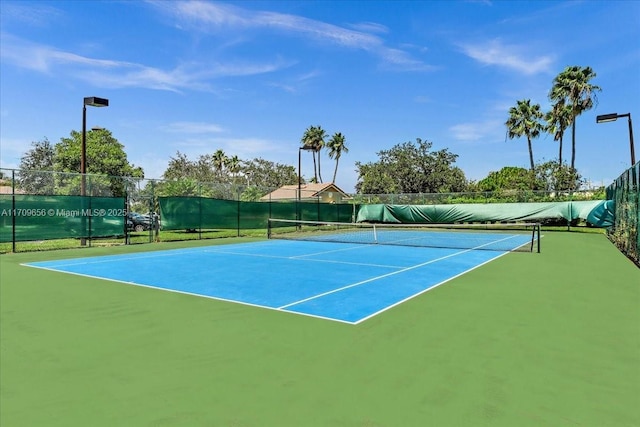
column 495, row 52
column 476, row 130
column 119, row 74
column 11, row 151
column 217, row 17
column 370, row 27
column 43, row 58
column 193, row 127
column 31, row 14
column 245, row 148
column 296, row 83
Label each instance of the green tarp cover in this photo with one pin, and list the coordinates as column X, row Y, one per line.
column 598, row 212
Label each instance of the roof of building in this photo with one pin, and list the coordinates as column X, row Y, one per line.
column 7, row 189
column 306, row 191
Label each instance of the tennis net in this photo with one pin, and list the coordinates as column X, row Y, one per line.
column 522, row 237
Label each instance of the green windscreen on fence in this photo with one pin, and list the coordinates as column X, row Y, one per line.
column 196, row 213
column 35, row 217
column 598, row 213
column 625, row 192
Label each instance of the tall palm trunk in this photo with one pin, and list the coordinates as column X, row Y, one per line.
column 560, row 152
column 319, row 173
column 315, row 170
column 573, row 144
column 531, row 154
column 335, row 171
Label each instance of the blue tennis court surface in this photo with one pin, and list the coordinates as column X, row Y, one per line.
column 337, row 281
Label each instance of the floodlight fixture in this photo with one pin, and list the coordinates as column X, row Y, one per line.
column 612, row 117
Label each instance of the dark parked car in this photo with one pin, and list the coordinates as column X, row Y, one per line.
column 138, row 222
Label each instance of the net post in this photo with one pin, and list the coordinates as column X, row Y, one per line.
column 533, row 236
column 268, row 228
column 375, row 234
column 538, row 227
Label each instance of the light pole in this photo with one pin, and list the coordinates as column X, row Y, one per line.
column 612, row 118
column 92, row 101
column 306, row 148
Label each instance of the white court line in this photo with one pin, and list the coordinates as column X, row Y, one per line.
column 136, row 256
column 457, row 238
column 350, row 248
column 169, row 252
column 101, row 259
column 118, row 258
column 427, row 289
column 372, row 279
column 413, row 267
column 176, row 291
column 299, row 258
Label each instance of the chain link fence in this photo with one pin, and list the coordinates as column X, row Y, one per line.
column 43, row 209
column 625, row 191
column 503, row 196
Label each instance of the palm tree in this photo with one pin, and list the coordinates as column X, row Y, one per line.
column 233, row 166
column 313, row 139
column 558, row 120
column 307, row 144
column 572, row 85
column 336, row 148
column 319, row 145
column 525, row 120
column 219, row 161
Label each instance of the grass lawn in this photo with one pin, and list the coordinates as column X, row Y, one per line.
column 550, row 339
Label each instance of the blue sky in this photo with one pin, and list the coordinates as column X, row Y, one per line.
column 249, row 77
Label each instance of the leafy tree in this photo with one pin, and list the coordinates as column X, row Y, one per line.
column 574, row 88
column 178, row 187
column 552, row 176
column 558, row 120
column 40, row 157
column 265, row 173
column 204, row 171
column 375, row 178
column 411, row 168
column 336, row 147
column 525, row 120
column 221, row 170
column 179, row 167
column 548, row 176
column 105, row 156
column 35, row 168
column 252, row 194
column 507, row 178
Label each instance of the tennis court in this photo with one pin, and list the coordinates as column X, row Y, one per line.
column 525, row 340
column 345, row 282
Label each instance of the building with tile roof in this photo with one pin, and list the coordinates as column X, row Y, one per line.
column 326, row 192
